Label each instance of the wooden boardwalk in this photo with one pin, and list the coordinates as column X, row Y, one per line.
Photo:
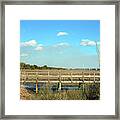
column 60, row 77
column 63, row 76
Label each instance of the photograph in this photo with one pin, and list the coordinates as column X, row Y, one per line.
column 59, row 59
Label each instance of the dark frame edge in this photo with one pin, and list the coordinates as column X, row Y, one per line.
column 2, row 59
column 0, row 67
column 85, row 117
column 61, row 2
column 117, row 22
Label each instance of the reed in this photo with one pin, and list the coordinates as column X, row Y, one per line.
column 86, row 92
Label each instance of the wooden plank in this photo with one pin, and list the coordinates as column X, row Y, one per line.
column 61, row 81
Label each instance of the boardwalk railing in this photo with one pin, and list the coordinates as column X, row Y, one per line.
column 63, row 76
column 59, row 76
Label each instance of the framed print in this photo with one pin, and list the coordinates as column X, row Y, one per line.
column 60, row 59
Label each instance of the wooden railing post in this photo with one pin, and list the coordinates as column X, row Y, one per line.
column 36, row 84
column 36, row 87
column 83, row 85
column 94, row 76
column 48, row 84
column 60, row 75
column 59, row 84
column 79, row 85
column 71, row 77
column 48, row 78
column 89, row 75
column 83, row 76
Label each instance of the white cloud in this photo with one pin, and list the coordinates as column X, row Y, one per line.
column 87, row 42
column 29, row 43
column 39, row 48
column 32, row 43
column 62, row 33
column 24, row 55
column 64, row 44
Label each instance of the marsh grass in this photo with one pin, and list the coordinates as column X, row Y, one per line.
column 60, row 95
column 86, row 92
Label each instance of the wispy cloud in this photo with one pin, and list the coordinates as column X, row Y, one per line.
column 39, row 48
column 24, row 55
column 61, row 45
column 29, row 43
column 87, row 42
column 62, row 33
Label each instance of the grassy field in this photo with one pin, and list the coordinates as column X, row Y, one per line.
column 86, row 92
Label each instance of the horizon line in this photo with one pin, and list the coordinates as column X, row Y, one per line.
column 63, row 67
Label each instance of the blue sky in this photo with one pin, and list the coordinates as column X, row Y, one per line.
column 60, row 43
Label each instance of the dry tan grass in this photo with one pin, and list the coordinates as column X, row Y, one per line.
column 91, row 92
column 24, row 94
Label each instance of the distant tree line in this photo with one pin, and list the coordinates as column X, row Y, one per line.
column 44, row 67
column 32, row 67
